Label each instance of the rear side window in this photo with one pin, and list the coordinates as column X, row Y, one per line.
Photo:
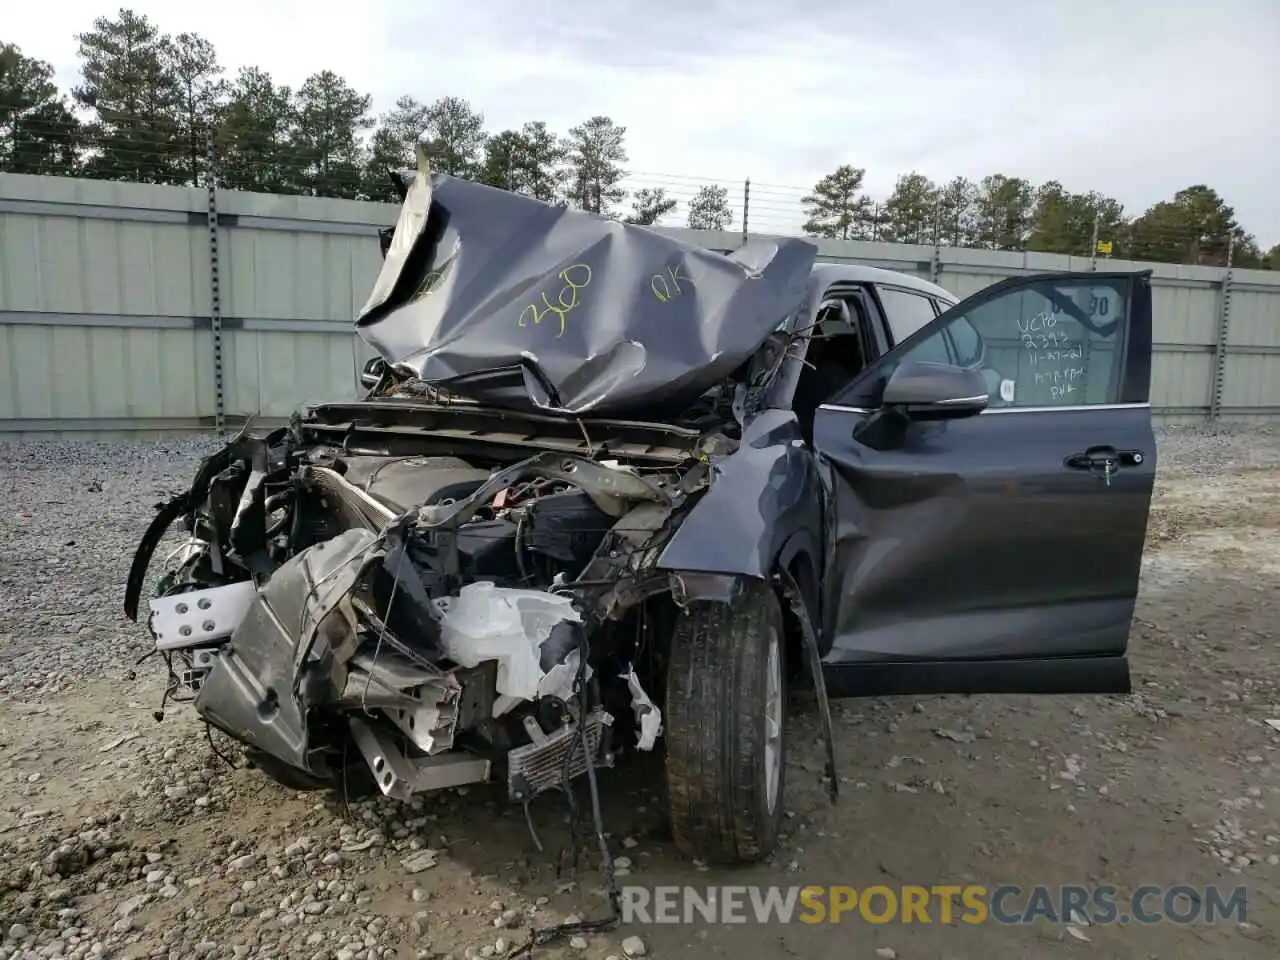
column 906, row 312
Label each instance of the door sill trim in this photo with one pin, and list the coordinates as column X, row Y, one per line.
column 1048, row 675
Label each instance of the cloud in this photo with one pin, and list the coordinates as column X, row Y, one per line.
column 1136, row 100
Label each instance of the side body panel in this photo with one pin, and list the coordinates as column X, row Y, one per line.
column 974, row 542
column 766, row 499
column 999, row 551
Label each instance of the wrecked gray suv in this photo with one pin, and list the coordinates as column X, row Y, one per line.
column 608, row 491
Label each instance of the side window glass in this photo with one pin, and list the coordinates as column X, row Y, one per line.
column 906, row 312
column 1051, row 343
column 929, row 350
column 967, row 342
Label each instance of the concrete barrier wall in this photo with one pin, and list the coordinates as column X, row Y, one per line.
column 108, row 294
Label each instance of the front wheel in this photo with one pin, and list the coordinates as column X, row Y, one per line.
column 724, row 728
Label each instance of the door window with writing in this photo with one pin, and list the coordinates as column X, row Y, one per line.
column 1059, row 343
column 1047, row 344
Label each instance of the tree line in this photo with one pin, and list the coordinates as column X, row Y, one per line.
column 159, row 108
column 1010, row 213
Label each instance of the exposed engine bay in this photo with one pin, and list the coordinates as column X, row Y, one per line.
column 453, row 619
column 513, row 553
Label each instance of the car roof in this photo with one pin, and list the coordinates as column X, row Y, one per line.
column 826, row 274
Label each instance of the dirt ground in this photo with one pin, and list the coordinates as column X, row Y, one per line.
column 1176, row 783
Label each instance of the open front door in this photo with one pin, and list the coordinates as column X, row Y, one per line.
column 994, row 546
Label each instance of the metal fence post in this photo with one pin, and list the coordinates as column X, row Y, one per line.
column 935, row 261
column 746, row 206
column 1224, row 327
column 215, row 295
column 1093, row 245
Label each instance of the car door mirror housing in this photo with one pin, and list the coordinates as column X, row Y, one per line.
column 935, row 391
column 372, row 373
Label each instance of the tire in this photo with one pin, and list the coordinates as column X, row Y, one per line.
column 724, row 802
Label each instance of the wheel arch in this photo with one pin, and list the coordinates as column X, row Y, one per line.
column 798, row 557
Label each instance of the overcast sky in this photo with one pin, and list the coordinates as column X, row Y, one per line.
column 1136, row 99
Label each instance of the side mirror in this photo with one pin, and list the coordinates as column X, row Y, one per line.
column 373, row 373
column 935, row 391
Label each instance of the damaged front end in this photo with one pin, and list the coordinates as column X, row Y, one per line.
column 449, row 620
column 459, row 577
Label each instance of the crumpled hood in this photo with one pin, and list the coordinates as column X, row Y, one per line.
column 517, row 303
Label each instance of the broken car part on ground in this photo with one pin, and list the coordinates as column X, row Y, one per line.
column 609, row 491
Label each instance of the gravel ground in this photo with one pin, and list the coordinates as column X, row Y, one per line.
column 71, row 514
column 124, row 837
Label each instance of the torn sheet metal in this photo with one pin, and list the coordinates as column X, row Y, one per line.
column 518, row 303
column 403, row 237
column 648, row 716
column 509, row 625
column 262, row 684
column 430, row 724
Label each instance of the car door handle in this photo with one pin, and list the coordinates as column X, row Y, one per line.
column 1105, row 459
